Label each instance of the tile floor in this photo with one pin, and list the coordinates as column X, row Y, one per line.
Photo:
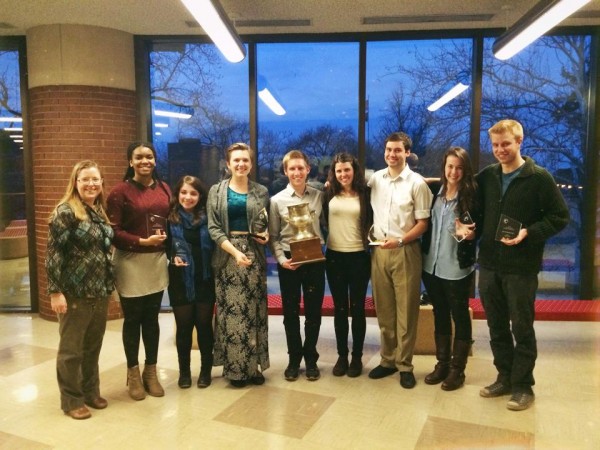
column 332, row 413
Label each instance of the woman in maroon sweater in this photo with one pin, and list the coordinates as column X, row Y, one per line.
column 137, row 209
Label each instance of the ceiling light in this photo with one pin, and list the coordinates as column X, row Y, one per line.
column 268, row 99
column 13, row 129
column 176, row 115
column 212, row 18
column 537, row 21
column 161, row 125
column 11, row 119
column 452, row 93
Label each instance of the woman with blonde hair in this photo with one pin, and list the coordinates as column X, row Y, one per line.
column 80, row 281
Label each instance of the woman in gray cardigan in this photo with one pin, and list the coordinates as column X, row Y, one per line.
column 237, row 222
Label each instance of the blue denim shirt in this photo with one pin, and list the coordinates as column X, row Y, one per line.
column 441, row 260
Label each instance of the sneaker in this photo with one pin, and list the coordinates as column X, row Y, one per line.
column 341, row 366
column 496, row 389
column 312, row 372
column 382, row 372
column 291, row 372
column 355, row 368
column 520, row 401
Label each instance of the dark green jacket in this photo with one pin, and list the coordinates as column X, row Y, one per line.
column 533, row 199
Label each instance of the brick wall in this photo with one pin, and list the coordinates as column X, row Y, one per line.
column 69, row 124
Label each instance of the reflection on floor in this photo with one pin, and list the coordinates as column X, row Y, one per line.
column 332, row 413
column 14, row 283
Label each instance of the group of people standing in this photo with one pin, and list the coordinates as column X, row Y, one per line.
column 207, row 247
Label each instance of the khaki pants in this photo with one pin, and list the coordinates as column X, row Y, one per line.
column 396, row 282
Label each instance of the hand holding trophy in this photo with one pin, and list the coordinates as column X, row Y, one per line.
column 305, row 246
column 259, row 227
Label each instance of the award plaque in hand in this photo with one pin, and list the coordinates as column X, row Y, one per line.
column 258, row 227
column 305, row 246
column 156, row 224
column 507, row 228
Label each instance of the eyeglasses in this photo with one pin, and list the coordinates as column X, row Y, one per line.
column 92, row 181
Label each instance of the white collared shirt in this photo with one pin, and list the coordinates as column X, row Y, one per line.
column 398, row 202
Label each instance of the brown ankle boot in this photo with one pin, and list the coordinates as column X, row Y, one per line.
column 134, row 383
column 151, row 383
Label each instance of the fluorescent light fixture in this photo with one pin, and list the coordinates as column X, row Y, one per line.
column 16, row 136
column 13, row 129
column 18, row 141
column 268, row 99
column 161, row 125
column 452, row 93
column 158, row 133
column 537, row 21
column 176, row 115
column 11, row 119
column 214, row 21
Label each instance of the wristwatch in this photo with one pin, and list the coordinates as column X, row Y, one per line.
column 400, row 243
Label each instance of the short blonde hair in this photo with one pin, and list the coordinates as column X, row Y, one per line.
column 507, row 125
column 294, row 154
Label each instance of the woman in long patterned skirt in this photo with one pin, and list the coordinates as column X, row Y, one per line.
column 237, row 222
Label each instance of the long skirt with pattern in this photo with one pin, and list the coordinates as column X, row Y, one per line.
column 241, row 336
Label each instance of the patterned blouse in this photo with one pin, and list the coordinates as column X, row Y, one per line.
column 78, row 260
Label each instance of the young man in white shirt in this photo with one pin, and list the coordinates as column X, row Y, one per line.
column 401, row 202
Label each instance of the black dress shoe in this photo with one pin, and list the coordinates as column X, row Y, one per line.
column 312, row 372
column 239, row 383
column 407, row 380
column 258, row 379
column 381, row 372
column 97, row 403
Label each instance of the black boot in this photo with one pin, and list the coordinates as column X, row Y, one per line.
column 185, row 374
column 205, row 378
column 456, row 376
column 442, row 353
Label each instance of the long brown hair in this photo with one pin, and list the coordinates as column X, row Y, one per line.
column 200, row 207
column 467, row 186
column 73, row 199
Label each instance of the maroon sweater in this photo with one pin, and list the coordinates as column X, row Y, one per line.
column 129, row 205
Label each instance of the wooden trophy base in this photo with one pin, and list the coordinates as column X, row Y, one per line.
column 306, row 251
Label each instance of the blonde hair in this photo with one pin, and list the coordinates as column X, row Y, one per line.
column 239, row 146
column 73, row 199
column 294, row 154
column 507, row 125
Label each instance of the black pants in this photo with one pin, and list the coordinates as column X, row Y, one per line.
column 508, row 300
column 450, row 300
column 141, row 314
column 187, row 317
column 308, row 281
column 348, row 275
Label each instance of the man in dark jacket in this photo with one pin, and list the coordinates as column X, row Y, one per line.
column 522, row 208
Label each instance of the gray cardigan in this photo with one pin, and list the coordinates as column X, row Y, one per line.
column 218, row 222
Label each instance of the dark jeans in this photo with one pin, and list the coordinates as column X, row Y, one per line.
column 307, row 280
column 81, row 331
column 199, row 315
column 348, row 276
column 450, row 300
column 508, row 299
column 141, row 313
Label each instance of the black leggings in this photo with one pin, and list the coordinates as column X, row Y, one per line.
column 187, row 317
column 141, row 313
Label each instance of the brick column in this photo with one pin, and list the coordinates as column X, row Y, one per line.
column 82, row 105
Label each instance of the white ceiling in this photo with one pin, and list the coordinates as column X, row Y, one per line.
column 168, row 17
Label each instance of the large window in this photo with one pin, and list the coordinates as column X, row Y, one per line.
column 14, row 260
column 199, row 108
column 403, row 79
column 546, row 87
column 308, row 99
column 316, row 88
